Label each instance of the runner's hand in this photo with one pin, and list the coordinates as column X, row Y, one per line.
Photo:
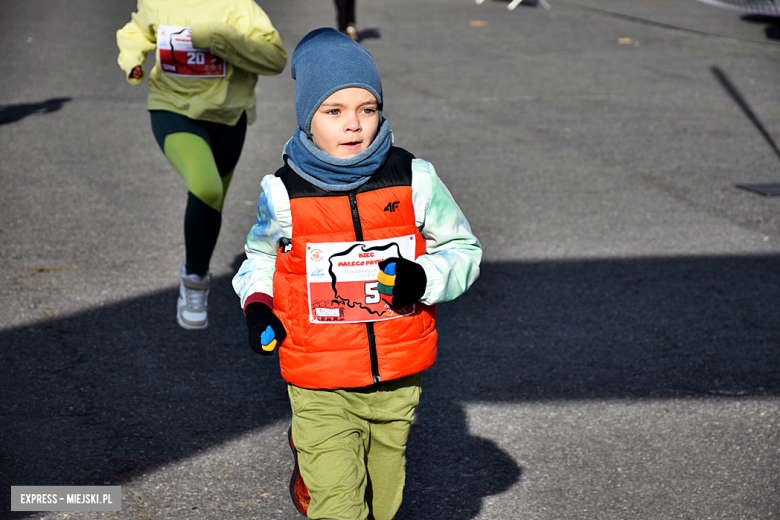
column 266, row 332
column 403, row 280
column 137, row 72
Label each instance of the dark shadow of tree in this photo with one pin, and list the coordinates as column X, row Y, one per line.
column 13, row 113
column 615, row 329
column 104, row 396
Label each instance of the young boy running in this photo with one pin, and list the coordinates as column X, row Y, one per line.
column 354, row 243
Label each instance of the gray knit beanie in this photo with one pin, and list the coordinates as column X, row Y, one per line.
column 326, row 61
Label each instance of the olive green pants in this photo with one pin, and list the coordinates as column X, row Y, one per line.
column 351, row 446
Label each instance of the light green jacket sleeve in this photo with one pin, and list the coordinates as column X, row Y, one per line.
column 453, row 253
column 274, row 221
column 134, row 40
column 258, row 49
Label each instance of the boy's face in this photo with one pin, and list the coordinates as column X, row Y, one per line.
column 345, row 123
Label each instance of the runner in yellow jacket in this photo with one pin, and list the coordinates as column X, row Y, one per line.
column 201, row 99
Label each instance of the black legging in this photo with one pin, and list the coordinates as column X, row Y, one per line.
column 205, row 155
column 345, row 13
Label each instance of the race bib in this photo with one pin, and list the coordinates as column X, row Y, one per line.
column 343, row 276
column 178, row 58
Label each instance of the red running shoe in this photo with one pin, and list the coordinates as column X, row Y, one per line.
column 298, row 490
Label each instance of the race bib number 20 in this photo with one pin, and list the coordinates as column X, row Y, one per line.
column 343, row 277
column 178, row 58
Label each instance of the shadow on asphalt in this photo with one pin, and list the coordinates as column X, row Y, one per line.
column 772, row 23
column 371, row 33
column 104, row 396
column 737, row 96
column 14, row 113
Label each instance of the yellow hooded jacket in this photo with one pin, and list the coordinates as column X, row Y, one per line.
column 236, row 30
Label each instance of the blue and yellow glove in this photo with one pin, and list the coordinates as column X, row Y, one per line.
column 266, row 332
column 402, row 280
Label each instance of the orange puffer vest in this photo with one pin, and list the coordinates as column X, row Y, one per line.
column 349, row 355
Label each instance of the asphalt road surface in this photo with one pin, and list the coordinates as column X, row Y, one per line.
column 619, row 357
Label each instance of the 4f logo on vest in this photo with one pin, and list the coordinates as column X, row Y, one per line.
column 391, row 206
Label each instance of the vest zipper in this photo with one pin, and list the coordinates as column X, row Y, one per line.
column 369, row 325
column 355, row 217
column 372, row 351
